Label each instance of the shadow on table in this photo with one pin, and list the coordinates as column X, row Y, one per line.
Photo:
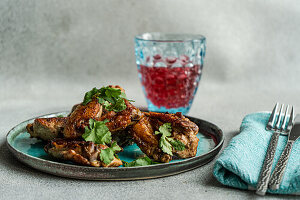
column 8, row 159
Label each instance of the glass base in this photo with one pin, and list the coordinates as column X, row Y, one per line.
column 153, row 108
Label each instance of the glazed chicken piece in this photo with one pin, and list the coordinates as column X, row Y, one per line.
column 47, row 128
column 182, row 129
column 73, row 126
column 120, row 120
column 66, row 127
column 79, row 118
column 143, row 136
column 80, row 152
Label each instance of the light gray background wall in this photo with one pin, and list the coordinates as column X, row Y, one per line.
column 86, row 43
column 51, row 52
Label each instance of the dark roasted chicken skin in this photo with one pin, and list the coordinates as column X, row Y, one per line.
column 143, row 136
column 80, row 115
column 47, row 128
column 120, row 120
column 73, row 126
column 79, row 118
column 80, row 152
column 182, row 129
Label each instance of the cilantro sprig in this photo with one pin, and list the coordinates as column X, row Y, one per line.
column 140, row 162
column 166, row 142
column 107, row 155
column 97, row 132
column 111, row 98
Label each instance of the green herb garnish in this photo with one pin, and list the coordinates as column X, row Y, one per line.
column 107, row 155
column 178, row 145
column 139, row 162
column 166, row 143
column 97, row 132
column 111, row 98
column 60, row 116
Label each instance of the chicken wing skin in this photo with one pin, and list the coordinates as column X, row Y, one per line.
column 143, row 136
column 182, row 129
column 120, row 120
column 80, row 152
column 47, row 128
column 73, row 126
column 79, row 118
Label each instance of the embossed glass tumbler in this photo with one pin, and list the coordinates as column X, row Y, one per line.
column 169, row 67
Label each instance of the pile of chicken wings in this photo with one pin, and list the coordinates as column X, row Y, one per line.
column 64, row 134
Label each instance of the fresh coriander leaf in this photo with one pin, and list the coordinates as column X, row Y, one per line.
column 115, row 147
column 91, row 123
column 101, row 100
column 97, row 132
column 157, row 132
column 90, row 135
column 165, row 145
column 102, row 132
column 107, row 105
column 177, row 144
column 123, row 95
column 139, row 162
column 111, row 98
column 166, row 142
column 89, row 96
column 59, row 116
column 107, row 155
column 119, row 105
column 165, row 129
column 112, row 92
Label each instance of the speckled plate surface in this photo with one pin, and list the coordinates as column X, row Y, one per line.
column 30, row 151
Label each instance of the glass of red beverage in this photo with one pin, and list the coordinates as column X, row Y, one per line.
column 169, row 67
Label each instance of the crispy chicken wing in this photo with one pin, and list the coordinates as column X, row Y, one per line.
column 182, row 129
column 143, row 136
column 73, row 126
column 47, row 128
column 80, row 152
column 121, row 120
column 79, row 118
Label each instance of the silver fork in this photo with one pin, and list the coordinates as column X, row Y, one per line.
column 278, row 127
column 277, row 175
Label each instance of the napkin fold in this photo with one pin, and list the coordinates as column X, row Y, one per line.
column 240, row 163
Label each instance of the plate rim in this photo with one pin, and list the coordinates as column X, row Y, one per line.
column 214, row 150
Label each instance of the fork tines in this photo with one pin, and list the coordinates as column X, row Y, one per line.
column 277, row 123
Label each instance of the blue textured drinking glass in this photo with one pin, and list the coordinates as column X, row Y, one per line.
column 170, row 68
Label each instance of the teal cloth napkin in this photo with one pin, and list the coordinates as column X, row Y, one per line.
column 240, row 163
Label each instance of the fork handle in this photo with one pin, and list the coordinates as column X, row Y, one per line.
column 278, row 172
column 265, row 173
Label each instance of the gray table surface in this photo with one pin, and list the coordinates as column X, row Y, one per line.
column 51, row 52
column 224, row 105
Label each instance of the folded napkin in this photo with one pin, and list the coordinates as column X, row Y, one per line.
column 240, row 163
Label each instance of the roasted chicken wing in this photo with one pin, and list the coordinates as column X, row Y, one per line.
column 47, row 128
column 79, row 118
column 183, row 130
column 143, row 136
column 73, row 126
column 80, row 152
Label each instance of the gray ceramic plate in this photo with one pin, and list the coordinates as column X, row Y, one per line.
column 30, row 151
